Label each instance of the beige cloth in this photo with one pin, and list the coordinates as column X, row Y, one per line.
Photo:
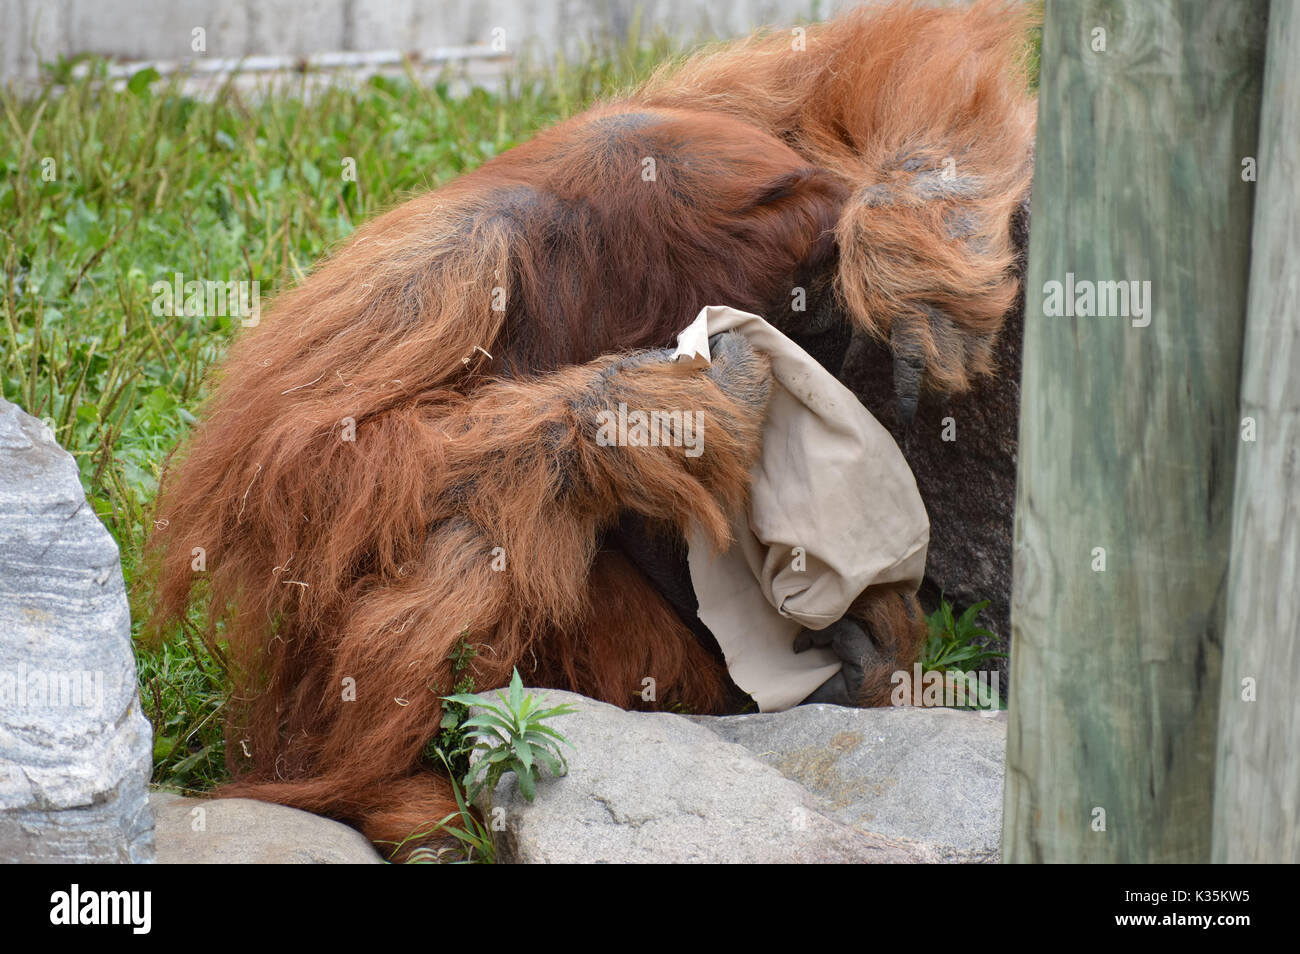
column 833, row 510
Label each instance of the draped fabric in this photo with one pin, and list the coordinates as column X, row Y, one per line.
column 833, row 510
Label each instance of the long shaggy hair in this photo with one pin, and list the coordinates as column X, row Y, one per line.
column 401, row 455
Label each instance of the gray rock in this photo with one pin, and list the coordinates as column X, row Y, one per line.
column 657, row 787
column 233, row 831
column 75, row 747
column 925, row 774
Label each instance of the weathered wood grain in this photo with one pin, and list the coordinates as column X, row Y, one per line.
column 1257, row 784
column 1128, row 434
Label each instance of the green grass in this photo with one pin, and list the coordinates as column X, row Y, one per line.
column 104, row 193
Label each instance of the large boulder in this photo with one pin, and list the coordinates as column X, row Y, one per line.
column 75, row 747
column 815, row 784
column 233, row 831
column 929, row 775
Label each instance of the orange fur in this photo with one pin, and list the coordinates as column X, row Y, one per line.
column 368, row 559
column 924, row 113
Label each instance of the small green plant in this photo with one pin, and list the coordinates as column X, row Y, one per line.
column 470, row 833
column 511, row 737
column 959, row 644
column 450, row 745
column 451, row 748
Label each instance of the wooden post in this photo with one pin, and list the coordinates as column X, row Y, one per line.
column 1257, row 783
column 1129, row 430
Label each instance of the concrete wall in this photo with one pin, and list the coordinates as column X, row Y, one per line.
column 35, row 31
